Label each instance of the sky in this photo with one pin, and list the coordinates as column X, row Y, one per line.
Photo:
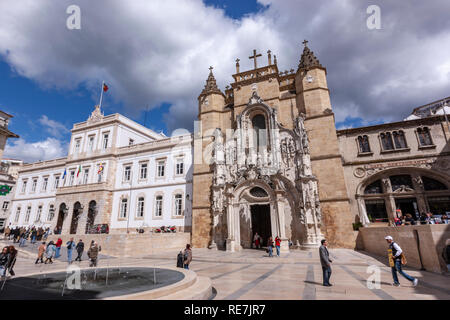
column 154, row 56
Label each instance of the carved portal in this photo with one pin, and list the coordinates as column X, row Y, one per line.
column 275, row 160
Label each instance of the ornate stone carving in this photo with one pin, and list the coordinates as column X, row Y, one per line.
column 96, row 115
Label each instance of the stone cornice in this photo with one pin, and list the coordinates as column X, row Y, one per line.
column 416, row 157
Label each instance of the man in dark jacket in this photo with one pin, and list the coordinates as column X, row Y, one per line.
column 80, row 249
column 325, row 261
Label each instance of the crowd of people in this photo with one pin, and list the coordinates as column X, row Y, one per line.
column 424, row 218
column 52, row 251
column 21, row 234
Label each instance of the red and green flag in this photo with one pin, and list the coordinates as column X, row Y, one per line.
column 79, row 170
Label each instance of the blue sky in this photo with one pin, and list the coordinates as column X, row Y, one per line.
column 156, row 54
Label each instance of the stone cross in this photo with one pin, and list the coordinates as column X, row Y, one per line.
column 305, row 42
column 254, row 58
column 211, row 69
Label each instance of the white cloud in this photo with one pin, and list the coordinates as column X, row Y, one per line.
column 55, row 128
column 151, row 52
column 48, row 149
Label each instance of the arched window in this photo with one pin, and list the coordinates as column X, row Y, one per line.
column 424, row 136
column 401, row 182
column 374, row 188
column 258, row 192
column 386, row 141
column 399, row 139
column 259, row 131
column 363, row 142
column 432, row 185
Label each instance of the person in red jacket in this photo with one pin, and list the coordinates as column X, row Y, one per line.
column 58, row 248
column 277, row 245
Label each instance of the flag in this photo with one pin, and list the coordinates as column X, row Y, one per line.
column 100, row 169
column 79, row 170
column 105, row 87
column 64, row 174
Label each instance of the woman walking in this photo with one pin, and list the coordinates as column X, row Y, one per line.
column 50, row 252
column 11, row 259
column 41, row 251
column 58, row 248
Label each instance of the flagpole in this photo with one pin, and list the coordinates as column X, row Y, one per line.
column 101, row 94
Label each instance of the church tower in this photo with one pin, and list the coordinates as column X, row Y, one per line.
column 211, row 103
column 313, row 99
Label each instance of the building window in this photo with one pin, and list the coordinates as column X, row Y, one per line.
column 56, row 184
column 51, row 213
column 158, row 206
column 77, row 145
column 91, row 143
column 71, row 178
column 386, row 141
column 5, row 205
column 432, row 185
column 424, row 136
column 27, row 214
column 85, row 176
column 399, row 140
column 160, row 168
column 38, row 214
column 401, row 182
column 127, row 173
column 130, row 142
column 105, row 140
column 259, row 132
column 16, row 218
column 180, row 167
column 178, row 205
column 143, row 171
column 24, row 186
column 140, row 207
column 363, row 143
column 44, row 184
column 374, row 188
column 33, row 186
column 123, row 208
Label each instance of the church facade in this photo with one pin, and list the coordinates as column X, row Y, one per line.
column 274, row 162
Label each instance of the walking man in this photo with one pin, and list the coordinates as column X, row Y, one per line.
column 395, row 261
column 270, row 246
column 93, row 253
column 70, row 245
column 325, row 261
column 80, row 249
column 58, row 248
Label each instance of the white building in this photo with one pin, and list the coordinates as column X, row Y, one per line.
column 117, row 173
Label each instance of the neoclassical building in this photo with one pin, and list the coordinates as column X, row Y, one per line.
column 117, row 173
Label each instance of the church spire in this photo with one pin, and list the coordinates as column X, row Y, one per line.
column 211, row 85
column 308, row 59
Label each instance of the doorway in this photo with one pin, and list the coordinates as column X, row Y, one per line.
column 75, row 216
column 408, row 205
column 61, row 215
column 261, row 221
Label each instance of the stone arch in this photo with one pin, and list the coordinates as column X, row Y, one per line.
column 62, row 214
column 414, row 201
column 92, row 213
column 76, row 215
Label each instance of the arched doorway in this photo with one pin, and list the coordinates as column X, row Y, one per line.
column 77, row 210
column 92, row 212
column 61, row 216
column 396, row 193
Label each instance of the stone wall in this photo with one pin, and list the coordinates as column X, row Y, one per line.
column 431, row 240
column 128, row 245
